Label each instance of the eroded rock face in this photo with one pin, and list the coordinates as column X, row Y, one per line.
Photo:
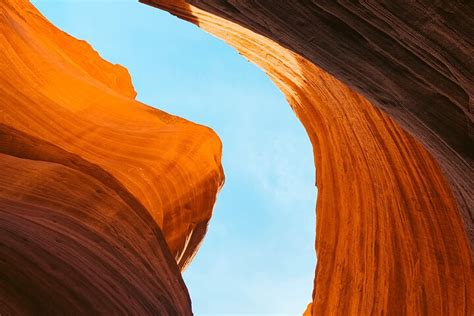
column 413, row 59
column 102, row 199
column 390, row 238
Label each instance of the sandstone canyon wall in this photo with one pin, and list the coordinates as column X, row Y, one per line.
column 102, row 199
column 413, row 59
column 390, row 237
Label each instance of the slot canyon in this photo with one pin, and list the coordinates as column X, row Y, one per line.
column 104, row 200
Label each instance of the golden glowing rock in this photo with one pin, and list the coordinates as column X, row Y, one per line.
column 413, row 59
column 390, row 238
column 102, row 198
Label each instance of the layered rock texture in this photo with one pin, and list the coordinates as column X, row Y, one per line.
column 390, row 236
column 413, row 59
column 102, row 199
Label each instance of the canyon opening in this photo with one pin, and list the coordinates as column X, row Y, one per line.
column 265, row 211
column 110, row 206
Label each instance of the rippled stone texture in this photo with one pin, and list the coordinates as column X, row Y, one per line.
column 411, row 58
column 390, row 238
column 102, row 198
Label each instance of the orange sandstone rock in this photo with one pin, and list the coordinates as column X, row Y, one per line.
column 413, row 59
column 390, row 238
column 102, row 198
column 87, row 225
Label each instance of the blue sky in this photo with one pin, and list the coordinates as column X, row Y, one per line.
column 258, row 256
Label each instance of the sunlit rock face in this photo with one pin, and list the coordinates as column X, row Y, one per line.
column 390, row 237
column 411, row 58
column 102, row 199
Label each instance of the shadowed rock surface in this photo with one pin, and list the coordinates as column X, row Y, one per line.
column 102, row 199
column 390, row 238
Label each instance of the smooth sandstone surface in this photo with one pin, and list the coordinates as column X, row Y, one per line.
column 413, row 59
column 390, row 237
column 71, row 245
column 102, row 199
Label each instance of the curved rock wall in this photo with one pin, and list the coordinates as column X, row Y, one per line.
column 390, row 239
column 413, row 59
column 71, row 244
column 102, row 198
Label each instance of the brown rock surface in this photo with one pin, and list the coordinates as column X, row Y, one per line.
column 390, row 238
column 72, row 245
column 101, row 197
column 413, row 59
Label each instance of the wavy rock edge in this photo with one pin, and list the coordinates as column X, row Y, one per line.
column 103, row 200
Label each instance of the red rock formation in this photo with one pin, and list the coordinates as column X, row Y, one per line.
column 413, row 59
column 73, row 243
column 100, row 196
column 390, row 238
